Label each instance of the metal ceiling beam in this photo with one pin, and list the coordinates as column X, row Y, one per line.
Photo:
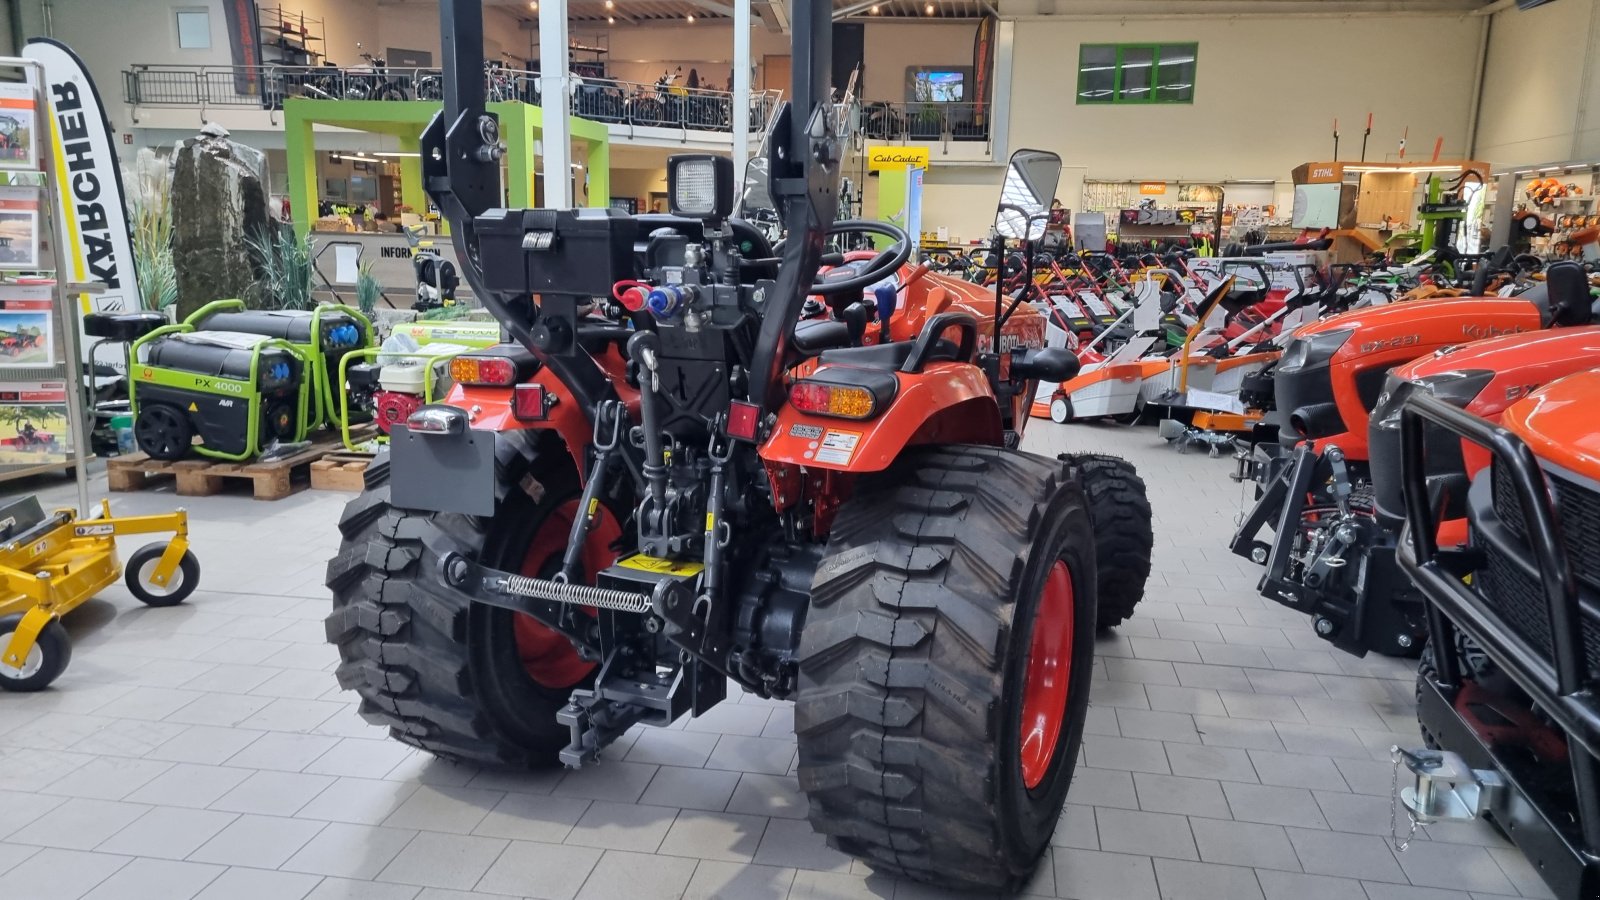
column 721, row 9
column 853, row 8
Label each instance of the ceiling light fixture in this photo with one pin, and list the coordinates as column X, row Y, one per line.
column 533, row 5
column 611, row 20
column 874, row 10
column 691, row 18
column 611, row 4
column 928, row 9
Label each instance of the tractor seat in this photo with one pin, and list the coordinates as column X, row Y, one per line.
column 813, row 336
column 1565, row 301
column 122, row 326
column 891, row 357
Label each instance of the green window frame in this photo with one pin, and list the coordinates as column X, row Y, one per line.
column 1138, row 74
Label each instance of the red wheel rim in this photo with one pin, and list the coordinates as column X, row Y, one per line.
column 1049, row 675
column 547, row 657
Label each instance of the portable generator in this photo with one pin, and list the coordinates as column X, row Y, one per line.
column 236, row 391
column 323, row 336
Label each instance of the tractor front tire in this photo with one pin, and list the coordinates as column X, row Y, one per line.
column 945, row 665
column 444, row 674
column 1124, row 537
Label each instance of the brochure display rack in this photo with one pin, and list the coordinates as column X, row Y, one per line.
column 42, row 399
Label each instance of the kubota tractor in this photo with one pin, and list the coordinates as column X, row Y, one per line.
column 1506, row 694
column 662, row 486
column 1328, row 550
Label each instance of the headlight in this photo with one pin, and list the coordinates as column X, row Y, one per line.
column 1313, row 349
column 1455, row 388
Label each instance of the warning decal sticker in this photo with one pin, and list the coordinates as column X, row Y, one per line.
column 838, row 447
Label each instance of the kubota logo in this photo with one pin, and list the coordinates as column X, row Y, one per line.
column 1479, row 332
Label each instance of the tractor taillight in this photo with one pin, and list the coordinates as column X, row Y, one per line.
column 494, row 371
column 842, row 401
column 531, row 402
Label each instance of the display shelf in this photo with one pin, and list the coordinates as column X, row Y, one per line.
column 292, row 34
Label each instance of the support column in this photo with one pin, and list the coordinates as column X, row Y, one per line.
column 741, row 90
column 519, row 132
column 411, row 176
column 300, row 149
column 553, row 105
column 600, row 173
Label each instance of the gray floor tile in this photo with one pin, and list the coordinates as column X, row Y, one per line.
column 1278, row 885
column 167, row 833
column 671, row 747
column 359, row 758
column 1180, row 880
column 1184, row 796
column 1271, row 805
column 1344, row 855
column 619, row 782
column 359, row 801
column 273, row 793
column 1093, row 875
column 454, row 861
column 1296, row 770
column 1103, row 787
column 616, row 877
column 22, row 808
column 190, row 785
column 347, row 889
column 533, row 817
column 350, row 851
column 1520, row 872
column 758, row 795
column 55, row 874
column 444, row 808
column 209, row 744
column 263, row 842
column 1126, row 754
column 544, row 871
column 1360, row 813
column 1154, row 834
column 259, row 884
column 155, row 879
column 108, row 778
column 717, row 836
column 1077, row 828
column 12, row 855
column 78, row 824
column 1456, row 867
column 732, row 718
column 790, row 843
column 1169, row 698
column 752, row 754
column 622, row 826
column 1244, row 844
column 1157, row 726
column 1224, row 763
column 812, row 885
column 715, row 880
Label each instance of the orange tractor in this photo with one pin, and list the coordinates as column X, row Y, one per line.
column 676, row 477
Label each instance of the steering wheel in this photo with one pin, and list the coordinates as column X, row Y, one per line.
column 882, row 265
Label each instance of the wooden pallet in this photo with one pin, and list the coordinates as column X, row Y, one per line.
column 271, row 480
column 341, row 472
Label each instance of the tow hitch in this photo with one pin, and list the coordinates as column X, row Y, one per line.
column 1446, row 788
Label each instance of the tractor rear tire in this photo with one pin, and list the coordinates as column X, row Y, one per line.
column 444, row 674
column 921, row 662
column 1124, row 538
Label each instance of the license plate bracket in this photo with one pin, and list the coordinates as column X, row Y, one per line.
column 452, row 473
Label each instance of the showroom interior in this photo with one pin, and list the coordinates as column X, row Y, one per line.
column 813, row 449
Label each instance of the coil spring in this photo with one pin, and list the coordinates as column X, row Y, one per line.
column 579, row 594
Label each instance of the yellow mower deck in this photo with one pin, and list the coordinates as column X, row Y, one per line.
column 56, row 566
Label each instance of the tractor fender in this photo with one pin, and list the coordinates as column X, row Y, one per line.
column 946, row 403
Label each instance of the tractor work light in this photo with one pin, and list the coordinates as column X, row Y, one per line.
column 700, row 186
column 483, row 371
column 838, row 400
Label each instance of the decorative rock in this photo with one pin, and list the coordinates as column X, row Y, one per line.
column 218, row 203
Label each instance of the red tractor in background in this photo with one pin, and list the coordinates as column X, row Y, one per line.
column 667, row 483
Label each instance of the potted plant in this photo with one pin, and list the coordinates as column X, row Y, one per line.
column 927, row 121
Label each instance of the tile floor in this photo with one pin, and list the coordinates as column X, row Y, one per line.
column 205, row 751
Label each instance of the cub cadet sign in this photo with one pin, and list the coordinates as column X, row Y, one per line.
column 880, row 159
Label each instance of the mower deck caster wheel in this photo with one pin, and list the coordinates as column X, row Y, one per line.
column 45, row 661
column 141, row 567
column 1060, row 410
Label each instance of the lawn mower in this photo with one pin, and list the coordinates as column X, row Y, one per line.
column 1506, row 693
column 1315, row 484
column 659, row 486
column 52, row 564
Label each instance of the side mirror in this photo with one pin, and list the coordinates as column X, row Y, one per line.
column 1030, row 185
column 1044, row 364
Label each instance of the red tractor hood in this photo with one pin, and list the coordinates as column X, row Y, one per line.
column 1558, row 424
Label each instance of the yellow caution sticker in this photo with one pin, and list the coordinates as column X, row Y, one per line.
column 193, row 407
column 594, row 507
column 675, row 567
column 711, row 523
